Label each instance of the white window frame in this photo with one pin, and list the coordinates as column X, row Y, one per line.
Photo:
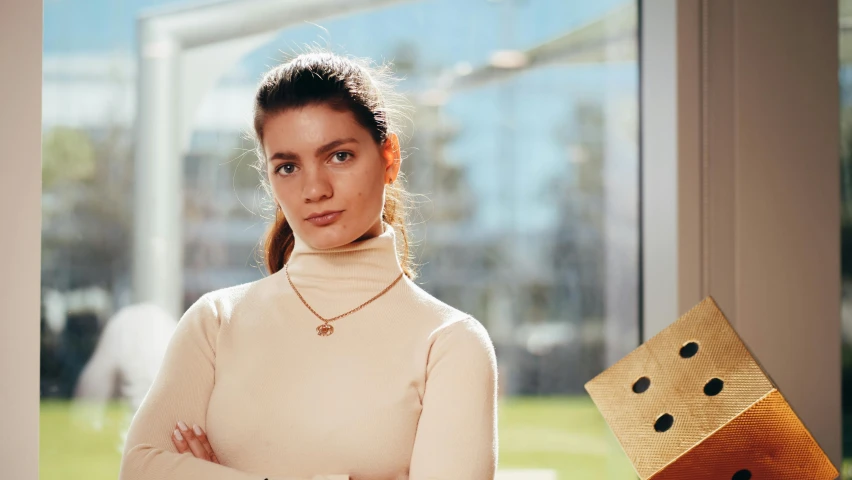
column 706, row 228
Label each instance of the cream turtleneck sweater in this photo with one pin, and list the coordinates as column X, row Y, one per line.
column 405, row 388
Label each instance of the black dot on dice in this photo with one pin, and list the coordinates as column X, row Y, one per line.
column 689, row 350
column 713, row 387
column 664, row 423
column 742, row 475
column 641, row 385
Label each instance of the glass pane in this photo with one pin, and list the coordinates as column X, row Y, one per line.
column 523, row 162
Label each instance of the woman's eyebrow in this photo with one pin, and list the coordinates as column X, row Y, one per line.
column 332, row 145
column 320, row 151
column 284, row 156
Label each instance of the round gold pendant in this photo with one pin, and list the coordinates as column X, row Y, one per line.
column 325, row 330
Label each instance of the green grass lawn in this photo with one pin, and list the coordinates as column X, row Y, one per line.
column 73, row 445
column 565, row 434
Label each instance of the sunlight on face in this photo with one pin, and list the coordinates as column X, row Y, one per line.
column 322, row 160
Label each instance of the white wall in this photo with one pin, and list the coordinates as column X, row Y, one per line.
column 20, row 244
column 757, row 223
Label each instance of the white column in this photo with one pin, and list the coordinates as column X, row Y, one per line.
column 659, row 202
column 158, row 249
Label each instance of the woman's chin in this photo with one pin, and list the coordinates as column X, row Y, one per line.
column 329, row 236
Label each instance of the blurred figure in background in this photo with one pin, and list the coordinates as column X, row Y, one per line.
column 126, row 360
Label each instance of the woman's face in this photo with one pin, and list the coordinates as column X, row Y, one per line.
column 322, row 160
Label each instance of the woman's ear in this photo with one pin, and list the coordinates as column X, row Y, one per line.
column 392, row 157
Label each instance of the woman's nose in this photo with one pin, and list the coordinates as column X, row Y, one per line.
column 317, row 186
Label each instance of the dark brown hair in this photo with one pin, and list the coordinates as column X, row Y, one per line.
column 344, row 84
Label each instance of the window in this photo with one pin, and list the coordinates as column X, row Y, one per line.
column 523, row 159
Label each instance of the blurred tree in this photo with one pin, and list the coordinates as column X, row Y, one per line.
column 846, row 190
column 87, row 207
column 67, row 156
column 578, row 192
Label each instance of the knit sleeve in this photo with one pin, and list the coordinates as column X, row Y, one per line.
column 457, row 432
column 181, row 391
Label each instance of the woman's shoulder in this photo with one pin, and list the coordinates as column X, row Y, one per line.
column 425, row 304
column 443, row 318
column 224, row 300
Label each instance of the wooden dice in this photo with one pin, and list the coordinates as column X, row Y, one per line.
column 692, row 403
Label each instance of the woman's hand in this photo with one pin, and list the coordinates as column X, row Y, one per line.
column 194, row 441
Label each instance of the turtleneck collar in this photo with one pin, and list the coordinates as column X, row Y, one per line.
column 337, row 279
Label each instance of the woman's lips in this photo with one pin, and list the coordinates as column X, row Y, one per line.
column 325, row 219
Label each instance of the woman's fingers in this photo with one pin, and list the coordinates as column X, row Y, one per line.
column 194, row 443
column 202, row 437
column 179, row 441
column 184, row 439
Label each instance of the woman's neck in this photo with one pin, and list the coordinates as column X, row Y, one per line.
column 342, row 278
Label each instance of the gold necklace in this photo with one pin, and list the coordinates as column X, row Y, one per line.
column 326, row 329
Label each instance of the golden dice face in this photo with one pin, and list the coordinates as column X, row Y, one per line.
column 692, row 403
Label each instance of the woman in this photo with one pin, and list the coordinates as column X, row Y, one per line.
column 336, row 365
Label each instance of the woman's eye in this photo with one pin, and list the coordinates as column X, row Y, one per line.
column 342, row 156
column 285, row 169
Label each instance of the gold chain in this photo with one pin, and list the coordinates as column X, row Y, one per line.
column 325, row 329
